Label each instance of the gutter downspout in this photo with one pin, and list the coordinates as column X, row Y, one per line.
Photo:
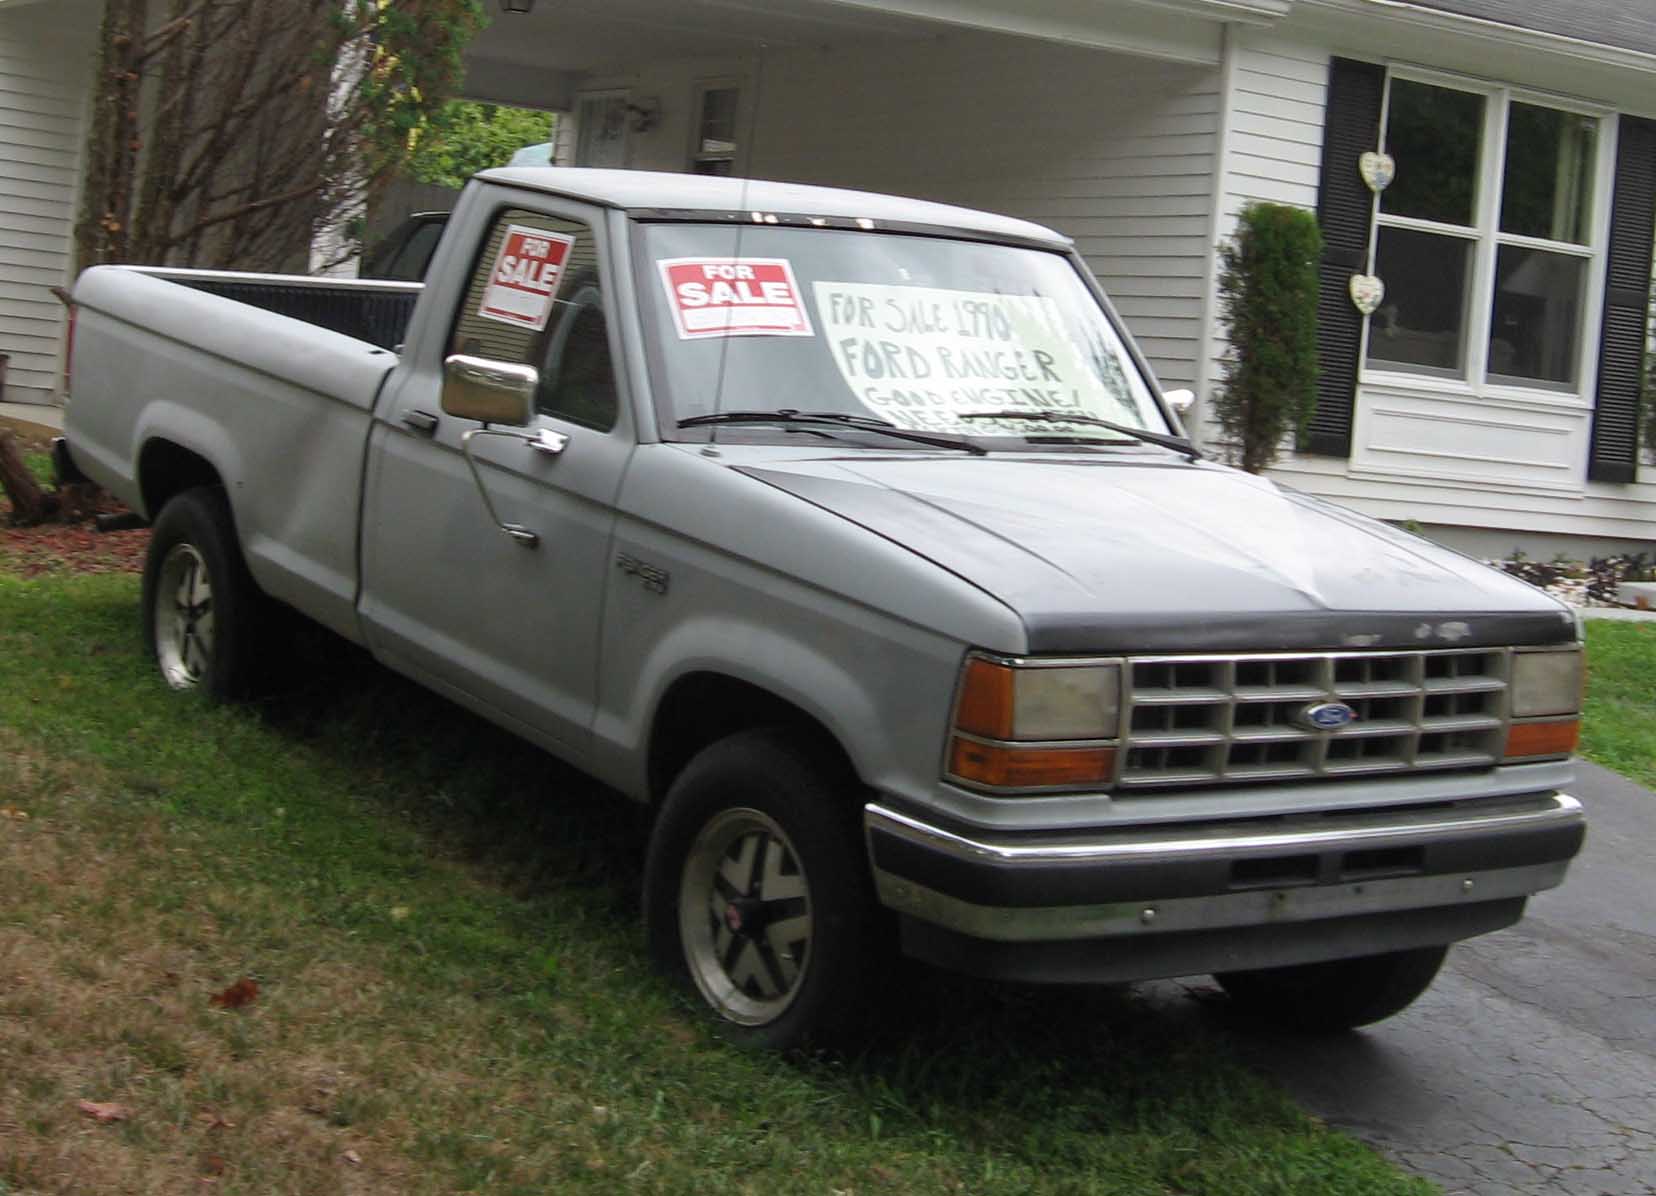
column 1208, row 346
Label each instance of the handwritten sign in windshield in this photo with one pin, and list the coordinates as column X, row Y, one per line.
column 747, row 296
column 922, row 356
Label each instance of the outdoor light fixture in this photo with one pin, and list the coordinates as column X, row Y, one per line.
column 519, row 6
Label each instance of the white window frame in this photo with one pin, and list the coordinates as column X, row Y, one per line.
column 698, row 92
column 1488, row 238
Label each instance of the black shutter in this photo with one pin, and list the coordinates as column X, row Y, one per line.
column 1615, row 455
column 1345, row 208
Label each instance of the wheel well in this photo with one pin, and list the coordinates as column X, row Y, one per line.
column 702, row 708
column 166, row 469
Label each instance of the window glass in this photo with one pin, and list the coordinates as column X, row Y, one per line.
column 1422, row 323
column 918, row 331
column 416, row 252
column 601, row 131
column 577, row 376
column 519, row 310
column 1548, row 191
column 1434, row 134
column 716, row 132
column 480, row 334
column 1536, row 331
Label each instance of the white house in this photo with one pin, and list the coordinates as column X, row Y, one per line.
column 45, row 81
column 1494, row 390
column 1496, row 385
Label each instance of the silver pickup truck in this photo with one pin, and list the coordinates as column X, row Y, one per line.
column 852, row 535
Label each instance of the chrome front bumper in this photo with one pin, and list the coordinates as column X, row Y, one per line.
column 1446, row 871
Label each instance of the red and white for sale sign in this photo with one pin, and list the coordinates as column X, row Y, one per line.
column 525, row 277
column 729, row 296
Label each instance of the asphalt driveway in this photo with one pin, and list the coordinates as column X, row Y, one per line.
column 1530, row 1066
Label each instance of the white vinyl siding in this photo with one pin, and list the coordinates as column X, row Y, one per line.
column 45, row 70
column 1115, row 151
column 1515, row 466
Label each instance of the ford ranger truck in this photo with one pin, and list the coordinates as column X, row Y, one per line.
column 853, row 537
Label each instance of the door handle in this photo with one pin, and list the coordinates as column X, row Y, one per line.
column 420, row 421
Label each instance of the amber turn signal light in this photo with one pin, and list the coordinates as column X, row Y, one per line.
column 1528, row 740
column 1030, row 768
column 986, row 698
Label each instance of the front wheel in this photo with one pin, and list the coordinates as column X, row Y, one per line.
column 201, row 606
column 756, row 891
column 1341, row 994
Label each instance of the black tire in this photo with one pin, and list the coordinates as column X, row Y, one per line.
column 757, row 896
column 1339, row 995
column 202, row 610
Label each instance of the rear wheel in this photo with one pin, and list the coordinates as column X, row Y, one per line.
column 1338, row 995
column 756, row 891
column 201, row 606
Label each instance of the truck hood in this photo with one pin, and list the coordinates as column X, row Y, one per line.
column 1121, row 553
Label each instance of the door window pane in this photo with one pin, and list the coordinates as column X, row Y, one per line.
column 1548, row 191
column 478, row 334
column 601, row 139
column 1434, row 134
column 1536, row 331
column 1422, row 323
column 577, row 378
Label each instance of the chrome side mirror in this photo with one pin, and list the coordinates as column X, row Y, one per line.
column 491, row 392
column 1181, row 400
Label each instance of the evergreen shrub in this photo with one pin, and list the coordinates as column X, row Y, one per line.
column 1268, row 300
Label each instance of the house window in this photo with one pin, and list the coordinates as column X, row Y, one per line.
column 714, row 151
column 1488, row 237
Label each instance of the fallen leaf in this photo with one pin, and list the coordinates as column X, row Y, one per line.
column 214, row 1121
column 104, row 1111
column 213, row 1164
column 242, row 992
column 14, row 814
column 352, row 1157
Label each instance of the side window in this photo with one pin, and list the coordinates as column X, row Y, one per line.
column 577, row 378
column 534, row 299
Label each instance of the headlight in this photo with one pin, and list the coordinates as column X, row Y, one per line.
column 1546, row 683
column 1545, row 693
column 1066, row 708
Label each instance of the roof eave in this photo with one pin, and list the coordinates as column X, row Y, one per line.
column 1423, row 18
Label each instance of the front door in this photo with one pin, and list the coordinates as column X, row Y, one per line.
column 447, row 596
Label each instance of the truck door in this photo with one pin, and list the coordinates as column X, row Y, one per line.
column 509, row 627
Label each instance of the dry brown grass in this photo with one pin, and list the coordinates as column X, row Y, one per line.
column 106, row 979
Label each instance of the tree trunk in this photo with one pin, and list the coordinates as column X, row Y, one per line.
column 30, row 503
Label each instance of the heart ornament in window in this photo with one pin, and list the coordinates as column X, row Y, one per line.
column 1378, row 170
column 1368, row 292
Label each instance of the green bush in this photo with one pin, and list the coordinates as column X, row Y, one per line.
column 1268, row 300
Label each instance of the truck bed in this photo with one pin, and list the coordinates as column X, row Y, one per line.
column 373, row 311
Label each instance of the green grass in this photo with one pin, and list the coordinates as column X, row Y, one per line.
column 445, row 929
column 40, row 464
column 1619, row 729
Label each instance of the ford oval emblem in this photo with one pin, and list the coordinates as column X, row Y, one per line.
column 1326, row 716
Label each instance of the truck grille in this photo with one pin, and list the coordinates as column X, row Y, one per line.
column 1234, row 719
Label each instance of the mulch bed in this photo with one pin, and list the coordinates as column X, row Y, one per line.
column 65, row 548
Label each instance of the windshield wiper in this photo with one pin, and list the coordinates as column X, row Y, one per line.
column 833, row 419
column 1177, row 443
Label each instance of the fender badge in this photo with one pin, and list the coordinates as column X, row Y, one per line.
column 1326, row 716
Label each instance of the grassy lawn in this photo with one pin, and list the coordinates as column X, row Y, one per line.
column 1619, row 731
column 443, row 926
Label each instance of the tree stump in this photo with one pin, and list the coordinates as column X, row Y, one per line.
column 31, row 504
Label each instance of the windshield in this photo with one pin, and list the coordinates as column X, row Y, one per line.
column 918, row 331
